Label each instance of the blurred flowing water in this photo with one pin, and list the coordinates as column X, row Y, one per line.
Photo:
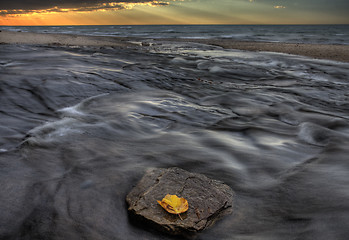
column 79, row 126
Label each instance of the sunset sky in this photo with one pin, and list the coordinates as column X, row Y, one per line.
column 129, row 12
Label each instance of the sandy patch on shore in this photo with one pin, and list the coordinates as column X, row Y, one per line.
column 8, row 37
column 319, row 51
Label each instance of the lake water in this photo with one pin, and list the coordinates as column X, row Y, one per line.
column 79, row 126
column 324, row 34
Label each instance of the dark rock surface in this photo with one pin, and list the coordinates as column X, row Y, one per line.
column 208, row 200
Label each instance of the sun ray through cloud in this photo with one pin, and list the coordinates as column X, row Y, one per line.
column 64, row 12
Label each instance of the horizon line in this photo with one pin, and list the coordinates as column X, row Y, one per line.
column 206, row 24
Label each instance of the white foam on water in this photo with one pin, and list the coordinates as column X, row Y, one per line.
column 179, row 60
column 72, row 111
column 203, row 64
column 52, row 131
column 217, row 69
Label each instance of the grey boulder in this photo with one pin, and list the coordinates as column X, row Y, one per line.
column 208, row 200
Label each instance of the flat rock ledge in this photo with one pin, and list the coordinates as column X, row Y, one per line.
column 208, row 199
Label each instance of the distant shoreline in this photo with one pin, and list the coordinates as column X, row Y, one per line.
column 318, row 51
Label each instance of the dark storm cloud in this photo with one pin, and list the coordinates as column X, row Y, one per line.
column 27, row 6
column 61, row 10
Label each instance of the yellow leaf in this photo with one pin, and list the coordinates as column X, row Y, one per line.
column 174, row 204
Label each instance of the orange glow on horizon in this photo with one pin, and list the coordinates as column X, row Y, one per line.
column 162, row 12
column 39, row 19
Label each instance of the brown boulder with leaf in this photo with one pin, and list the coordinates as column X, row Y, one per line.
column 179, row 202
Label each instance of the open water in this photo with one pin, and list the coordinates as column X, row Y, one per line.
column 319, row 34
column 79, row 126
